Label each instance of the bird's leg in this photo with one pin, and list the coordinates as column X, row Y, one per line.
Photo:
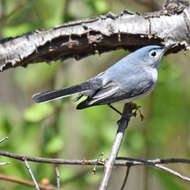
column 135, row 107
column 113, row 108
column 116, row 110
column 123, row 116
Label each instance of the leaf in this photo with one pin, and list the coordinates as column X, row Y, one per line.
column 55, row 144
column 16, row 30
column 101, row 6
column 37, row 112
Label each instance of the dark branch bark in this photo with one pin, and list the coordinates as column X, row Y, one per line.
column 81, row 38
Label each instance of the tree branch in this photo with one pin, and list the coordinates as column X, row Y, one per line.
column 81, row 38
column 123, row 124
column 24, row 182
column 120, row 161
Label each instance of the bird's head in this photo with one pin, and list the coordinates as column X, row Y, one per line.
column 151, row 55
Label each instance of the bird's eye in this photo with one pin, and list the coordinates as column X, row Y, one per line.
column 153, row 53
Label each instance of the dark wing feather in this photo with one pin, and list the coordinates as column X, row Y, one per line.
column 100, row 95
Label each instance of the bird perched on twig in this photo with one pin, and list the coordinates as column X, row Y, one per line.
column 132, row 77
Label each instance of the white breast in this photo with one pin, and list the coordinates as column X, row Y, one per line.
column 153, row 72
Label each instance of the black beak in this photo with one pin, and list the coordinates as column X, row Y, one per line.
column 168, row 46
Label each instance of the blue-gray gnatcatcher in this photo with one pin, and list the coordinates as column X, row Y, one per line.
column 130, row 78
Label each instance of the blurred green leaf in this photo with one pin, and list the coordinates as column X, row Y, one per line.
column 33, row 75
column 37, row 112
column 98, row 6
column 12, row 31
column 136, row 141
column 101, row 6
column 54, row 145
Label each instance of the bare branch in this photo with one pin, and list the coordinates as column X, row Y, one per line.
column 123, row 123
column 126, row 178
column 24, row 182
column 185, row 178
column 3, row 139
column 121, row 161
column 81, row 38
column 51, row 160
column 32, row 175
column 57, row 177
column 155, row 161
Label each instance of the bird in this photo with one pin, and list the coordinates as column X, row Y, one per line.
column 132, row 77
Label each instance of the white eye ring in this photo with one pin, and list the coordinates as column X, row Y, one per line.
column 153, row 53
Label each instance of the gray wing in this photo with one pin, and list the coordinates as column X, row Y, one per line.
column 135, row 86
column 106, row 91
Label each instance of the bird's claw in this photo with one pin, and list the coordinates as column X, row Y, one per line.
column 136, row 109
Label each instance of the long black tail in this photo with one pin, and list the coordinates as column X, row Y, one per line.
column 64, row 92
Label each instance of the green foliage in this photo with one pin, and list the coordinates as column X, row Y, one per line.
column 54, row 145
column 37, row 112
column 98, row 6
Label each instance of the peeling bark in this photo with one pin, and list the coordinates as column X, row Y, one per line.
column 81, row 38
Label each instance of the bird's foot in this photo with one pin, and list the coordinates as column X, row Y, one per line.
column 136, row 109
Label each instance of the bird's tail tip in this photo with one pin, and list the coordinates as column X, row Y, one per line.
column 38, row 97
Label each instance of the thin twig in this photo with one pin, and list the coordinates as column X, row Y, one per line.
column 3, row 139
column 32, row 175
column 116, row 146
column 25, row 182
column 154, row 161
column 172, row 172
column 57, row 177
column 4, row 163
column 126, row 177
